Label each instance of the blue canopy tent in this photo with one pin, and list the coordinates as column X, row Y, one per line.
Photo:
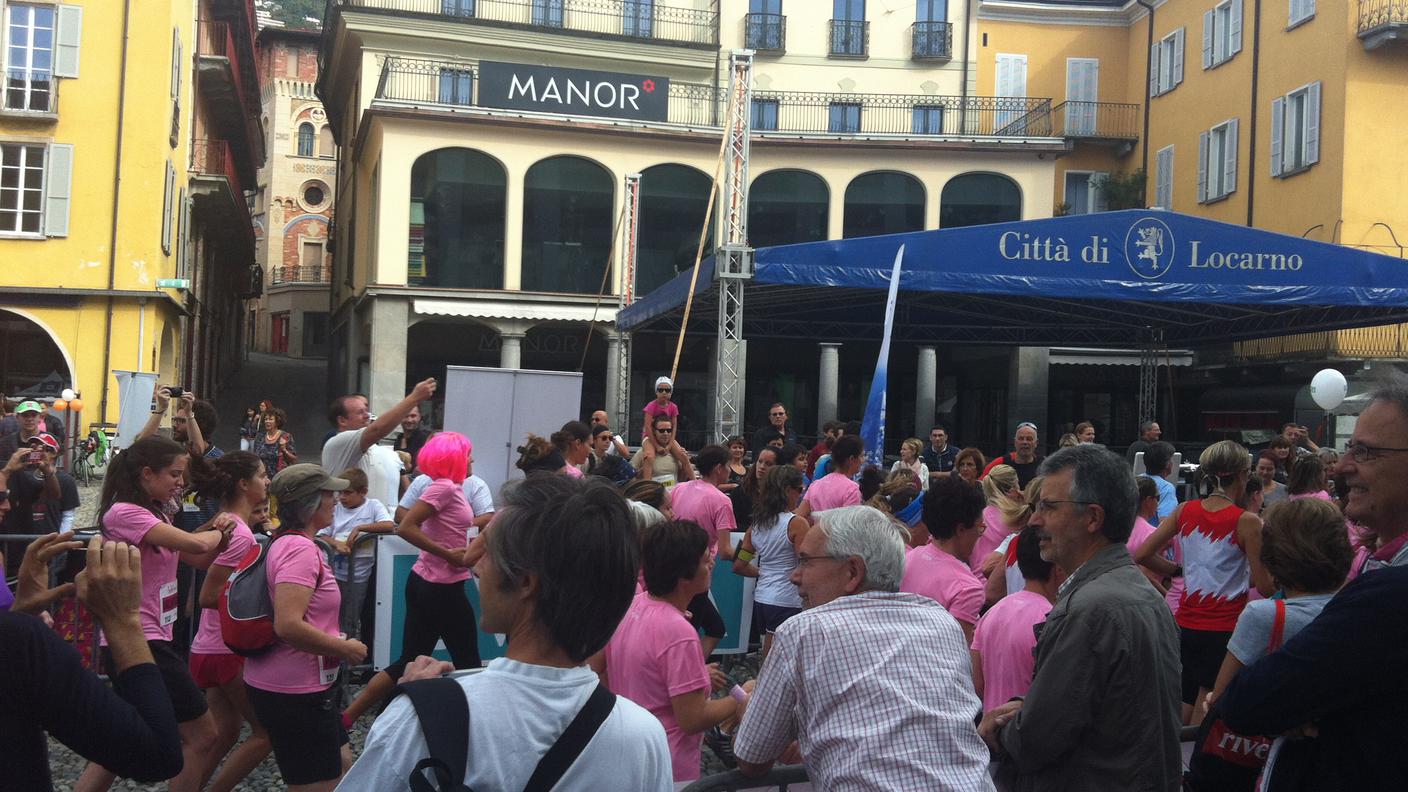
column 1113, row 279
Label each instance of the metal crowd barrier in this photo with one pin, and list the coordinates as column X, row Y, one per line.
column 777, row 778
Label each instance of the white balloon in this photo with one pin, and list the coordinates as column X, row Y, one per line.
column 68, row 394
column 1327, row 388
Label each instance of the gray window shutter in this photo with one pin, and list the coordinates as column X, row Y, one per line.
column 1154, row 70
column 1312, row 124
column 183, row 233
column 1208, row 18
column 1202, row 167
column 1235, row 29
column 1177, row 58
column 68, row 39
column 166, row 200
column 58, row 188
column 1163, row 179
column 1230, row 158
column 1278, row 124
column 1098, row 203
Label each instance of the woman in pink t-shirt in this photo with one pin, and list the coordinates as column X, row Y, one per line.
column 654, row 657
column 1005, row 514
column 239, row 481
column 1005, row 639
column 573, row 441
column 441, row 525
column 139, row 481
column 291, row 683
column 953, row 513
column 837, row 488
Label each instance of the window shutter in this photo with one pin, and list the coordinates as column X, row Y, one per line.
column 1312, row 124
column 166, row 208
column 1235, row 29
column 1278, row 123
column 1097, row 192
column 183, row 237
column 67, row 40
column 1229, row 161
column 58, row 187
column 1202, row 167
column 1177, row 58
column 176, row 63
column 1208, row 18
column 1163, row 178
column 1154, row 70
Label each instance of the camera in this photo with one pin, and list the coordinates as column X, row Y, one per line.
column 35, row 457
column 176, row 391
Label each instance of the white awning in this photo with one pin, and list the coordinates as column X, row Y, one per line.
column 1067, row 356
column 514, row 309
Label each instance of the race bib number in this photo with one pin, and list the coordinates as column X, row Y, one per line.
column 169, row 603
column 327, row 670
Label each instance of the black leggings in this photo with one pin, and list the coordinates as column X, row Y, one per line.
column 436, row 611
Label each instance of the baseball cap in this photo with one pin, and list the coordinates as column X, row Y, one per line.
column 47, row 439
column 304, row 479
column 28, row 406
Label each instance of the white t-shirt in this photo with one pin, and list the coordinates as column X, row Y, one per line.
column 476, row 491
column 380, row 463
column 516, row 713
column 343, row 521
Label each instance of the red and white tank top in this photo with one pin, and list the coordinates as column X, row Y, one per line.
column 1215, row 571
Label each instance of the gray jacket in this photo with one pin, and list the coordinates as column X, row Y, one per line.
column 1103, row 709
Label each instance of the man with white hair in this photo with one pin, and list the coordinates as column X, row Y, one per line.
column 874, row 685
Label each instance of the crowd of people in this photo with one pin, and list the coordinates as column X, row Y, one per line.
column 947, row 622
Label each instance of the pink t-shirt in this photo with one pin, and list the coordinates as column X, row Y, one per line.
column 1005, row 638
column 832, row 491
column 450, row 526
column 995, row 531
column 653, row 408
column 654, row 656
column 931, row 572
column 1142, row 530
column 703, row 503
column 571, row 471
column 208, row 639
column 128, row 522
column 284, row 669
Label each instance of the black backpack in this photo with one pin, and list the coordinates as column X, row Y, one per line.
column 443, row 712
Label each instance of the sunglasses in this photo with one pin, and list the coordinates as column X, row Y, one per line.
column 664, row 390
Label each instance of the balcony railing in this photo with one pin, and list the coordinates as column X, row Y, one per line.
column 213, row 158
column 765, row 32
column 215, row 39
column 848, row 38
column 1382, row 21
column 931, row 41
column 650, row 20
column 448, row 85
column 300, row 274
column 1096, row 120
column 1382, row 341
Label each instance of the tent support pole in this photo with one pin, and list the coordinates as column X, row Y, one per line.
column 734, row 259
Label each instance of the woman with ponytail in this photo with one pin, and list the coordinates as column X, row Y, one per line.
column 239, row 482
column 574, row 443
column 139, row 482
column 1004, row 516
column 1221, row 546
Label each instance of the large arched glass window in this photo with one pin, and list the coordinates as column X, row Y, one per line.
column 566, row 225
column 673, row 199
column 786, row 207
column 883, row 202
column 305, row 139
column 457, row 220
column 979, row 198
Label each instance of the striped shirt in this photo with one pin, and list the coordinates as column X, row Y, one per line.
column 878, row 689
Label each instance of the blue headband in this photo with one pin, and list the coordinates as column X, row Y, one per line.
column 911, row 513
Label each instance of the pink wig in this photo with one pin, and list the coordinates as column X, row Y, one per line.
column 445, row 455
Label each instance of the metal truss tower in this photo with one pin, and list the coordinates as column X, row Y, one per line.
column 733, row 261
column 630, row 234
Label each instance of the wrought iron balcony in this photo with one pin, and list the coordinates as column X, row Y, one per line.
column 848, row 38
column 652, row 20
column 765, row 32
column 299, row 274
column 453, row 85
column 1382, row 21
column 931, row 41
column 212, row 159
column 229, row 87
column 1115, row 121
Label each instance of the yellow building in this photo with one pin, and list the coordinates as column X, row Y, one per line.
column 484, row 151
column 126, row 132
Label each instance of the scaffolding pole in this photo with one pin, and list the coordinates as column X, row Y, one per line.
column 1149, row 374
column 734, row 258
column 630, row 235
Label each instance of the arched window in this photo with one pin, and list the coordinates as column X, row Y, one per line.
column 566, row 225
column 305, row 139
column 883, row 202
column 786, row 207
column 979, row 198
column 673, row 199
column 457, row 220
column 326, row 147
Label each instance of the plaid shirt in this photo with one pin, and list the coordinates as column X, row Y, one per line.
column 878, row 688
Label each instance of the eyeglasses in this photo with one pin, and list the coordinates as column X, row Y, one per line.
column 1359, row 452
column 803, row 560
column 1045, row 506
column 664, row 390
column 777, row 415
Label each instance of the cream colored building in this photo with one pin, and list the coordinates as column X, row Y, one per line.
column 475, row 230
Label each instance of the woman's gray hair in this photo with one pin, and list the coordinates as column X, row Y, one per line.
column 294, row 514
column 869, row 534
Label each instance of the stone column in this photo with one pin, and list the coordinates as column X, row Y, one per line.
column 1027, row 384
column 513, row 232
column 829, row 383
column 927, row 376
column 387, row 363
column 511, row 349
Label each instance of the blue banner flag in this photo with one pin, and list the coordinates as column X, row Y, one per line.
column 872, row 429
